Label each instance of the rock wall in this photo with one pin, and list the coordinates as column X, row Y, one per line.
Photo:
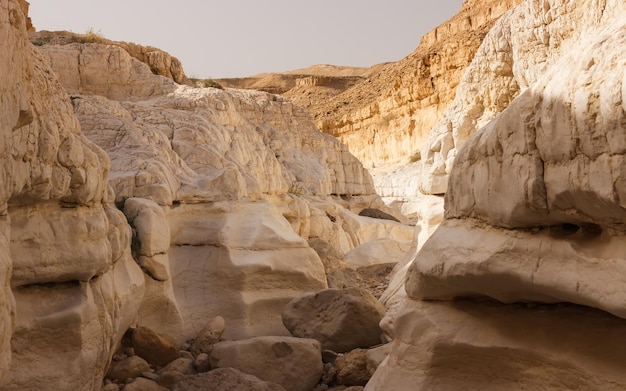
column 221, row 192
column 535, row 214
column 160, row 62
column 222, row 188
column 68, row 281
column 524, row 44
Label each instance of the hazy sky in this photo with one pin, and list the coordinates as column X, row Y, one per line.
column 235, row 38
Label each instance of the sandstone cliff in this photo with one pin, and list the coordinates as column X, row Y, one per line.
column 389, row 116
column 534, row 214
column 130, row 200
column 69, row 285
column 160, row 62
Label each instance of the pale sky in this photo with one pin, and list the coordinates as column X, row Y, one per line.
column 236, row 38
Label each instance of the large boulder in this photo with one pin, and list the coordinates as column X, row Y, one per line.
column 225, row 379
column 158, row 349
column 341, row 319
column 294, row 363
column 490, row 346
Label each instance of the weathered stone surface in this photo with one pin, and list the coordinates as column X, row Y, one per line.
column 352, row 368
column 490, row 346
column 64, row 308
column 208, row 336
column 119, row 78
column 294, row 363
column 564, row 206
column 521, row 48
column 181, row 364
column 168, row 379
column 143, row 384
column 160, row 62
column 158, row 349
column 225, row 379
column 225, row 257
column 233, row 163
column 128, row 368
column 376, row 356
column 534, row 213
column 341, row 319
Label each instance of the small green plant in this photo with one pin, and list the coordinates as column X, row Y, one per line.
column 417, row 156
column 296, row 188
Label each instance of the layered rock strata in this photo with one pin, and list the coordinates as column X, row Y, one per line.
column 389, row 116
column 222, row 188
column 69, row 286
column 521, row 48
column 534, row 214
column 220, row 191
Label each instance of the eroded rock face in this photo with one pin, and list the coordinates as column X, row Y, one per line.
column 294, row 363
column 222, row 188
column 534, row 214
column 523, row 45
column 568, row 155
column 389, row 116
column 69, row 286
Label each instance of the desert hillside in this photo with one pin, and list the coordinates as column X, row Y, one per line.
column 385, row 114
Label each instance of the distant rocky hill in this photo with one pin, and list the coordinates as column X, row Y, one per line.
column 386, row 112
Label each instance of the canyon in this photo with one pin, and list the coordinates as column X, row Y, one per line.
column 159, row 235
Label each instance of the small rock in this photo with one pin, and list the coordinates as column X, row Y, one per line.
column 209, row 336
column 143, row 384
column 352, row 368
column 157, row 349
column 375, row 356
column 128, row 368
column 182, row 365
column 110, row 387
column 151, row 375
column 202, row 363
column 186, row 354
column 169, row 378
column 225, row 379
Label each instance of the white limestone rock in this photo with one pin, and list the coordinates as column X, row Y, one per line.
column 523, row 45
column 534, row 213
column 294, row 363
column 68, row 287
column 240, row 260
column 490, row 346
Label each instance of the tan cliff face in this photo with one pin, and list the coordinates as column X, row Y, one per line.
column 160, row 62
column 128, row 199
column 389, row 117
column 535, row 217
column 60, row 301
